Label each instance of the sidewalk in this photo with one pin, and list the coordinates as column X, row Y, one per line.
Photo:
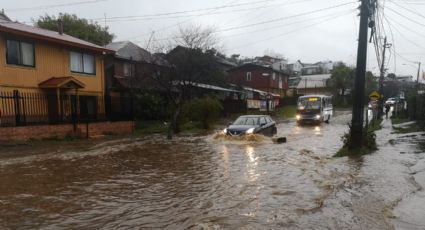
column 406, row 177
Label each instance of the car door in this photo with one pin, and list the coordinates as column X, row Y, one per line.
column 263, row 124
column 272, row 126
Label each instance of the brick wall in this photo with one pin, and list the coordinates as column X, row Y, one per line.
column 60, row 131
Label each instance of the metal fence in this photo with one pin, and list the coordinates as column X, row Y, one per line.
column 30, row 108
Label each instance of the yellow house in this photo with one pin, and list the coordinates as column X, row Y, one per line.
column 48, row 76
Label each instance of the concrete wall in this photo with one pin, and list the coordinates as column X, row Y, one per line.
column 60, row 131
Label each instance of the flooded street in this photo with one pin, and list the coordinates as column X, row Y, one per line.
column 205, row 183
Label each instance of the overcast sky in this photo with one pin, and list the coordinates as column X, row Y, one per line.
column 306, row 30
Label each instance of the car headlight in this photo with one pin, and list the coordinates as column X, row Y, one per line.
column 224, row 131
column 317, row 116
column 298, row 117
column 250, row 131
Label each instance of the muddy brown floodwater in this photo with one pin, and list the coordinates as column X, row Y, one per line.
column 203, row 183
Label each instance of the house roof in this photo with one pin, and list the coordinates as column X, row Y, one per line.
column 313, row 81
column 225, row 62
column 206, row 86
column 130, row 51
column 17, row 28
column 252, row 66
column 61, row 82
column 3, row 16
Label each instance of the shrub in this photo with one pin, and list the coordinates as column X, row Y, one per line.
column 369, row 142
column 150, row 106
column 205, row 110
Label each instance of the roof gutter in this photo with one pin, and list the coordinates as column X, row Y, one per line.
column 58, row 41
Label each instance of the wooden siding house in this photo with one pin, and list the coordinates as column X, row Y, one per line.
column 48, row 76
column 260, row 77
column 129, row 70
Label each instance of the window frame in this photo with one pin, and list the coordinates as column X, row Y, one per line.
column 82, row 59
column 248, row 76
column 130, row 69
column 20, row 52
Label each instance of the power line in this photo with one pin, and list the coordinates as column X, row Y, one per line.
column 407, row 39
column 344, row 12
column 215, row 8
column 56, row 5
column 137, row 18
column 288, row 17
column 286, row 33
column 411, row 11
column 412, row 20
column 177, row 24
column 212, row 12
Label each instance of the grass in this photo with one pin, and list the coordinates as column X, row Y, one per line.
column 396, row 120
column 151, row 127
column 408, row 129
column 345, row 151
column 369, row 142
column 375, row 125
column 287, row 111
column 159, row 127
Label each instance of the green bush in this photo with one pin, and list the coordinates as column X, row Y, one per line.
column 150, row 106
column 369, row 142
column 205, row 110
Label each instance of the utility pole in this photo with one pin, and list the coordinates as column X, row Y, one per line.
column 417, row 77
column 381, row 79
column 356, row 131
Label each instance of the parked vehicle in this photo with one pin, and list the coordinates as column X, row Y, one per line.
column 314, row 109
column 252, row 124
column 390, row 101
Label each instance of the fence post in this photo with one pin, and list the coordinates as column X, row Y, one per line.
column 87, row 129
column 17, row 108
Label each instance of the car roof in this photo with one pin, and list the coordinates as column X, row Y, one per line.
column 252, row 116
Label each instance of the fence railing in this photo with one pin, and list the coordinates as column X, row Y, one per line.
column 32, row 108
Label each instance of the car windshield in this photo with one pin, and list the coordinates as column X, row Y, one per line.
column 309, row 103
column 246, row 121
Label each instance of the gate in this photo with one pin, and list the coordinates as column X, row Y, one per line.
column 12, row 109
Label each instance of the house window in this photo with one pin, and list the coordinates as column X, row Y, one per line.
column 20, row 53
column 82, row 63
column 248, row 76
column 274, row 76
column 127, row 69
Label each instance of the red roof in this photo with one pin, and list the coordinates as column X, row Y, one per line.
column 61, row 82
column 49, row 35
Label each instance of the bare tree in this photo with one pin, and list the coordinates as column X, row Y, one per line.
column 192, row 61
column 196, row 37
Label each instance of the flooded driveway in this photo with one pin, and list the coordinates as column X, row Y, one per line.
column 205, row 183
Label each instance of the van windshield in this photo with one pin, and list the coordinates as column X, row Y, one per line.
column 309, row 103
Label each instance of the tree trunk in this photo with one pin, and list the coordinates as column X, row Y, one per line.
column 174, row 126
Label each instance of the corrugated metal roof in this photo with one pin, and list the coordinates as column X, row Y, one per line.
column 130, row 51
column 313, row 81
column 43, row 34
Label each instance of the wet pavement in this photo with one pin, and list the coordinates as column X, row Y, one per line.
column 203, row 182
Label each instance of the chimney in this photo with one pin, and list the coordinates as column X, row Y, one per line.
column 60, row 26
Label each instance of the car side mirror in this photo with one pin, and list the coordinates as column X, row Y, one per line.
column 262, row 124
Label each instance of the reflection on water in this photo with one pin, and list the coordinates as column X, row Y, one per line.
column 252, row 163
column 189, row 183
